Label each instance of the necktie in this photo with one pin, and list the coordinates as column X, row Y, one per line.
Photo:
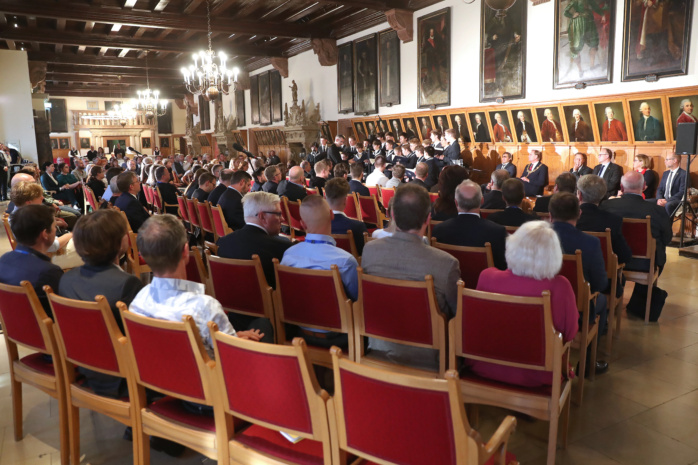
column 669, row 182
column 603, row 170
column 609, row 124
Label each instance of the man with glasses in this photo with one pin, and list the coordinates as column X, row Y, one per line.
column 129, row 185
column 673, row 183
column 609, row 172
column 273, row 175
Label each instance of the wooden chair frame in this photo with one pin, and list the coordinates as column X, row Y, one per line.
column 218, row 212
column 195, row 254
column 487, row 250
column 317, row 399
column 290, row 218
column 380, row 216
column 77, row 396
column 351, row 199
column 349, row 236
column 160, row 204
column 648, row 278
column 183, row 211
column 555, row 408
column 20, row 373
column 89, row 199
column 133, row 257
column 151, row 423
column 383, row 200
column 430, row 227
column 319, row 356
column 485, row 212
column 204, row 208
column 368, row 238
column 8, row 231
column 438, row 327
column 468, row 445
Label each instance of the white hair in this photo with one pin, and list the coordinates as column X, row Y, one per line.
column 256, row 202
column 520, row 113
column 547, row 112
column 607, row 109
column 534, row 251
column 684, row 102
column 576, row 112
column 645, row 104
column 497, row 114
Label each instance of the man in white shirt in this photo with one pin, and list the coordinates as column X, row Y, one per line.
column 377, row 178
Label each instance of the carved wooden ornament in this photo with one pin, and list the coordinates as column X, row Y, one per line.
column 281, row 65
column 326, row 51
column 401, row 21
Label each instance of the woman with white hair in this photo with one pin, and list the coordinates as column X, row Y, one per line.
column 534, row 258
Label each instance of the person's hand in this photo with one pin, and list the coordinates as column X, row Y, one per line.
column 5, row 168
column 575, row 15
column 525, row 179
column 251, row 335
column 59, row 203
column 661, row 202
column 61, row 223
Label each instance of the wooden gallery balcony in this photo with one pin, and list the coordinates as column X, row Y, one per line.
column 88, row 119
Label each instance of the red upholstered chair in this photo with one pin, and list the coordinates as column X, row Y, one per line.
column 136, row 263
column 220, row 226
column 205, row 217
column 193, row 213
column 311, row 190
column 373, row 190
column 196, row 270
column 293, row 214
column 399, row 311
column 90, row 200
column 373, row 412
column 545, row 216
column 484, row 212
column 589, row 332
column 433, row 196
column 26, row 325
column 385, row 195
column 352, row 210
column 512, row 331
column 511, row 229
column 169, row 357
column 8, row 231
column 157, row 199
column 370, row 213
column 346, row 243
column 307, row 183
column 148, row 193
column 88, row 337
column 274, row 388
column 240, row 286
column 183, row 210
column 430, row 227
column 612, row 270
column 312, row 299
column 472, row 260
column 638, row 234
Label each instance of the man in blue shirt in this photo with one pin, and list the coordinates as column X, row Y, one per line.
column 319, row 252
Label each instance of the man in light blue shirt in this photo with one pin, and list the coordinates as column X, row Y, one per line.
column 319, row 251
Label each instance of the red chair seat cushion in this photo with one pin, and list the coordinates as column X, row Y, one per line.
column 38, row 362
column 173, row 409
column 271, row 442
column 510, row 458
column 544, row 391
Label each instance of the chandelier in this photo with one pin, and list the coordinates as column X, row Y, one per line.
column 122, row 114
column 208, row 77
column 148, row 102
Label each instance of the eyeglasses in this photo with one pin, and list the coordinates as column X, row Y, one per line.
column 274, row 213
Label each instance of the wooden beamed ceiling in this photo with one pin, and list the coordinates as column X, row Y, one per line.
column 92, row 47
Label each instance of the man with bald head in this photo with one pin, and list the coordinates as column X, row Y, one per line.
column 468, row 228
column 632, row 205
column 294, row 188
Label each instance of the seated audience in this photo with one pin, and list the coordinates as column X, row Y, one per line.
column 398, row 177
column 168, row 191
column 643, row 165
column 224, row 178
column 508, row 164
column 207, row 182
column 322, row 173
column 609, row 171
column 273, row 175
column 341, row 170
column 377, row 177
column 534, row 258
column 259, row 179
column 64, row 192
column 231, row 200
column 493, row 199
column 445, row 206
column 319, row 252
column 672, row 187
column 130, row 186
column 337, row 190
column 513, row 194
column 565, row 182
column 421, row 174
column 294, row 189
column 194, row 184
column 357, row 176
column 95, row 181
column 34, row 228
column 580, row 167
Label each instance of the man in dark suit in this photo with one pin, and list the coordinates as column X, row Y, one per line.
column 322, row 150
column 468, row 229
column 452, row 152
column 590, row 192
column 513, row 215
column 34, row 228
column 168, row 191
column 207, row 182
column 294, row 189
column 334, row 152
column 632, row 205
column 609, row 171
column 564, row 211
column 535, row 175
column 231, row 200
column 580, row 167
column 434, row 164
column 493, row 199
column 224, row 178
column 565, row 182
column 672, row 187
column 421, row 175
column 129, row 185
column 260, row 234
column 508, row 164
column 336, row 191
column 177, row 165
column 259, row 180
column 273, row 175
column 356, row 184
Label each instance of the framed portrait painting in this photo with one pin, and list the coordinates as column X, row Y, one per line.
column 275, row 88
column 54, row 144
column 656, row 36
column 459, row 123
column 503, row 52
column 501, row 127
column 366, row 75
column 165, row 142
column 524, row 130
column 610, row 117
column 395, row 126
column 579, row 125
column 549, row 124
column 389, row 67
column 240, row 107
column 325, row 132
column 410, row 126
column 681, row 109
column 345, row 79
column 441, row 122
column 370, row 128
column 425, row 126
column 481, row 133
column 264, row 98
column 64, row 144
column 254, row 98
column 583, row 42
column 434, row 59
column 647, row 120
column 360, row 130
column 383, row 125
column 145, row 142
column 84, row 142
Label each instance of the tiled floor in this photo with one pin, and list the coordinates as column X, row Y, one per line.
column 644, row 411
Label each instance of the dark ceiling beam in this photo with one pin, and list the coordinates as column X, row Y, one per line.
column 93, row 60
column 97, row 40
column 155, row 83
column 54, row 68
column 102, row 92
column 225, row 25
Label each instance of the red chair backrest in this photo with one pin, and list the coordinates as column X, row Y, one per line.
column 205, row 216
column 10, row 235
column 369, row 213
column 193, row 271
column 236, row 285
column 218, row 221
column 90, row 196
column 379, row 420
column 570, row 271
column 157, row 198
column 19, row 318
column 148, row 194
column 271, row 390
column 344, row 243
column 433, row 196
column 181, row 200
column 308, row 300
column 311, row 190
column 635, row 234
column 352, row 210
column 193, row 214
column 294, row 215
column 472, row 262
column 373, row 190
column 386, row 195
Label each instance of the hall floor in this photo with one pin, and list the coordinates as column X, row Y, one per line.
column 643, row 411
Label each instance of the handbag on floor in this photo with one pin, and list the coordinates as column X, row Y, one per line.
column 638, row 301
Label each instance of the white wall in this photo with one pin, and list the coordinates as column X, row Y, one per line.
column 16, row 116
column 319, row 84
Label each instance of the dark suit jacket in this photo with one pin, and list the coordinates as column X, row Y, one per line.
column 135, row 212
column 292, row 191
column 573, row 239
column 583, row 171
column 537, row 180
column 596, row 220
column 511, row 168
column 356, row 186
column 542, row 204
column 452, row 153
column 341, row 224
column 178, row 168
column 334, row 153
column 270, row 186
column 678, row 186
column 634, row 206
column 493, row 200
column 274, row 160
column 216, row 193
column 612, row 177
column 419, row 182
column 200, row 195
column 231, row 204
column 511, row 216
column 169, row 195
column 652, row 130
column 651, row 181
column 251, row 240
column 472, row 231
column 434, row 172
column 26, row 264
